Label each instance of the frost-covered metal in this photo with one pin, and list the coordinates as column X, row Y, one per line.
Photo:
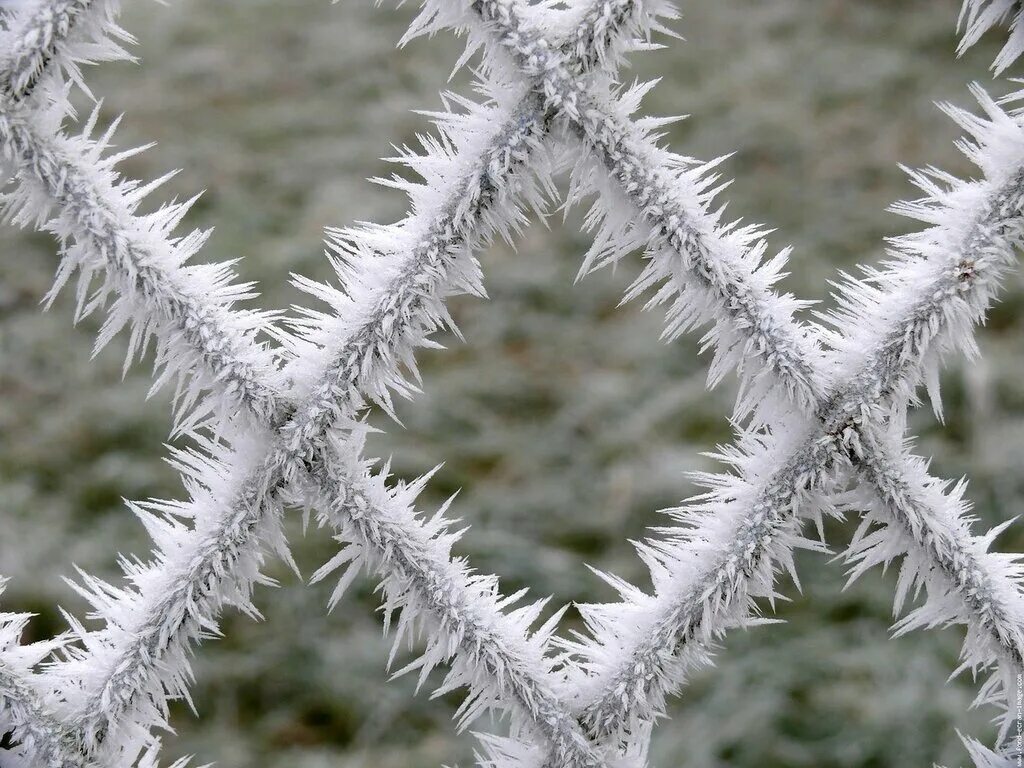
column 272, row 406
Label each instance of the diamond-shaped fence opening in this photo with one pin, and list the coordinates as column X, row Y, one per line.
column 274, row 407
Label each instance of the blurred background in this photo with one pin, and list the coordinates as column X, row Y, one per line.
column 564, row 420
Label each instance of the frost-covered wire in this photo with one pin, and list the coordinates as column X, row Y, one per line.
column 728, row 280
column 200, row 341
column 69, row 187
column 921, row 307
column 743, row 555
column 112, row 689
column 395, row 280
column 493, row 650
column 54, row 38
column 137, row 258
column 149, row 628
column 148, row 631
column 731, row 540
column 744, row 529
